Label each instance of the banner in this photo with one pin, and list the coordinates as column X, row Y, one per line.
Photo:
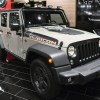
column 5, row 4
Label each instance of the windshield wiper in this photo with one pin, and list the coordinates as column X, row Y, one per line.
column 39, row 25
column 33, row 25
column 48, row 24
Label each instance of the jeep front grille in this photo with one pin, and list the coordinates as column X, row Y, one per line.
column 86, row 51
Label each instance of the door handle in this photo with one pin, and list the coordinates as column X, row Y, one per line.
column 8, row 32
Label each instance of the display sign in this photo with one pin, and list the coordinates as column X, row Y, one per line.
column 2, row 3
column 5, row 4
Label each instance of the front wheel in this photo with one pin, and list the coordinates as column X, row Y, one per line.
column 43, row 80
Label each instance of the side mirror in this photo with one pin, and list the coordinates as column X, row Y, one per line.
column 14, row 26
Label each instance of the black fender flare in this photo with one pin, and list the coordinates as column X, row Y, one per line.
column 59, row 57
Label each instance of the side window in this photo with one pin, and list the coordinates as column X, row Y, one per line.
column 14, row 18
column 4, row 19
column 56, row 18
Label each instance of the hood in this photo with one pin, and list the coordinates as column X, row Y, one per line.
column 62, row 34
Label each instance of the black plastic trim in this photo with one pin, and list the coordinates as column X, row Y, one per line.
column 58, row 56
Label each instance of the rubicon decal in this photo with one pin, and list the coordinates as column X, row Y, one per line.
column 44, row 40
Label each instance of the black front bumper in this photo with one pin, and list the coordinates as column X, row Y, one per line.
column 80, row 75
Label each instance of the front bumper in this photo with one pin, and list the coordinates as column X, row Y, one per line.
column 81, row 74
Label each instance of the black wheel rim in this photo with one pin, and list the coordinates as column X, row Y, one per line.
column 41, row 79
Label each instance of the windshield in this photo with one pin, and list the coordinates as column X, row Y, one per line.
column 42, row 18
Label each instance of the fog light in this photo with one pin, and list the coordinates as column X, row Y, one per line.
column 72, row 62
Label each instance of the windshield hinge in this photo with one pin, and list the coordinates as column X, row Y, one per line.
column 60, row 45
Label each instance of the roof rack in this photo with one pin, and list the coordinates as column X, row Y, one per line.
column 29, row 4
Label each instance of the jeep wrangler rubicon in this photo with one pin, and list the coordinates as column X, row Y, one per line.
column 58, row 55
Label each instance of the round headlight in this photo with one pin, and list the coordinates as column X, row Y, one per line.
column 72, row 51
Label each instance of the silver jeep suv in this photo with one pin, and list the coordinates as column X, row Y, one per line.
column 58, row 55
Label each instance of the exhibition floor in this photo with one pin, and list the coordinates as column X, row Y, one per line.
column 15, row 85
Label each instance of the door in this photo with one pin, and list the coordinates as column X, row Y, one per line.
column 15, row 35
column 4, row 29
column 27, row 42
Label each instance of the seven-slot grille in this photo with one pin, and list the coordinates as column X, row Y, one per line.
column 86, row 51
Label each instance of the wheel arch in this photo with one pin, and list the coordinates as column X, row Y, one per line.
column 32, row 55
column 46, row 52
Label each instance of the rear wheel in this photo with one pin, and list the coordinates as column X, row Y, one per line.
column 43, row 80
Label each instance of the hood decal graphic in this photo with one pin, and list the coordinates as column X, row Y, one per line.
column 41, row 38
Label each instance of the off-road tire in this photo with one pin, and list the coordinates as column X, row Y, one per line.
column 51, row 88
